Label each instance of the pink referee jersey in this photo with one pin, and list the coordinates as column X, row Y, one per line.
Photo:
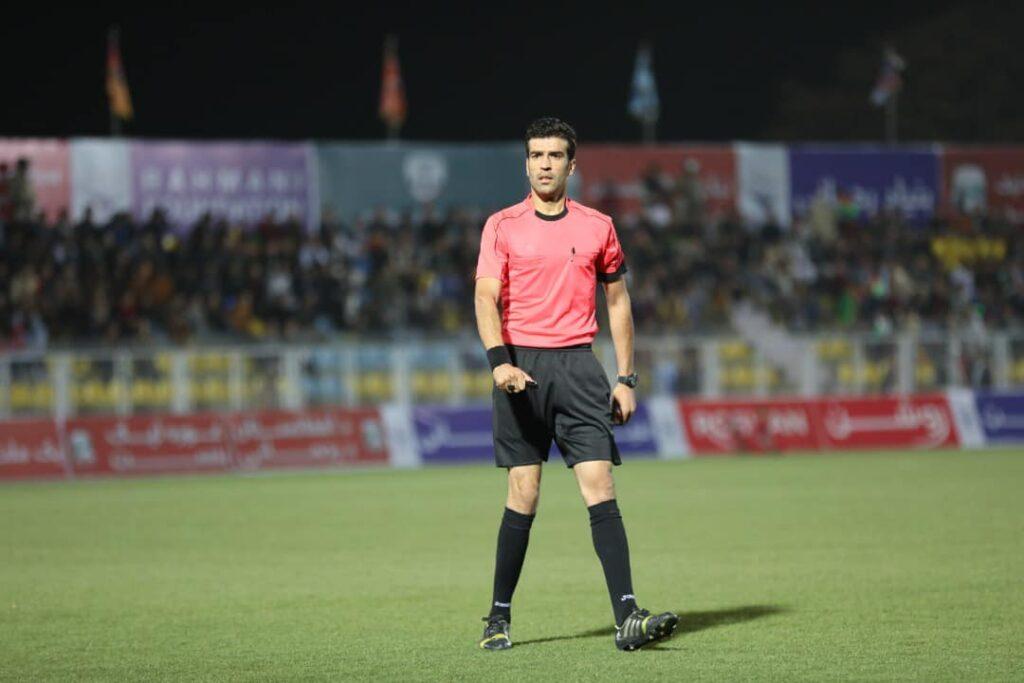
column 549, row 267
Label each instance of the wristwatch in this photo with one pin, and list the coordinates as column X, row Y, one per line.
column 629, row 380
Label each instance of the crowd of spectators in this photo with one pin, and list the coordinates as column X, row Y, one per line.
column 125, row 281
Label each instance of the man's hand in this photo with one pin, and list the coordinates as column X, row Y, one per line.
column 623, row 404
column 511, row 379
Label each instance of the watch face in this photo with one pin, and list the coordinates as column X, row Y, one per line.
column 630, row 380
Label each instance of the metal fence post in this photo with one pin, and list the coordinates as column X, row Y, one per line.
column 710, row 381
column 63, row 406
column 905, row 360
column 1000, row 361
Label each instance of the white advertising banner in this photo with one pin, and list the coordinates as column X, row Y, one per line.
column 763, row 192
column 100, row 178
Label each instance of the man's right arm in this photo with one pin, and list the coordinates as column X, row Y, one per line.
column 488, row 319
column 488, row 324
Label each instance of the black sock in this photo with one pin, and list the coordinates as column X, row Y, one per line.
column 513, row 536
column 611, row 546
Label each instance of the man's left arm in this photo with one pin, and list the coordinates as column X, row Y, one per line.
column 620, row 321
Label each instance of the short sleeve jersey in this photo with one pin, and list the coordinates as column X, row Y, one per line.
column 549, row 267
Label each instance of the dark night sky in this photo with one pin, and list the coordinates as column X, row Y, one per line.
column 472, row 72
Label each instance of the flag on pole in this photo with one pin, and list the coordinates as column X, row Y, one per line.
column 392, row 91
column 117, row 85
column 643, row 100
column 890, row 80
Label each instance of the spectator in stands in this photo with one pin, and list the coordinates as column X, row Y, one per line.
column 5, row 197
column 124, row 280
column 22, row 196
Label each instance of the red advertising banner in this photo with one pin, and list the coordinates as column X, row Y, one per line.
column 31, row 449
column 212, row 442
column 887, row 422
column 311, row 438
column 984, row 179
column 766, row 426
column 612, row 177
column 149, row 444
column 49, row 171
column 753, row 426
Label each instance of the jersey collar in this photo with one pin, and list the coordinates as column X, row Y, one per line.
column 546, row 217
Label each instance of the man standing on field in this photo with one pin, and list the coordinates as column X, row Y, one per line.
column 540, row 260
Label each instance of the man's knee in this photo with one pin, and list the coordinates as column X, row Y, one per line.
column 524, row 489
column 595, row 481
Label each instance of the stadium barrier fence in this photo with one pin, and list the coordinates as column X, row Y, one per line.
column 181, row 381
column 403, row 435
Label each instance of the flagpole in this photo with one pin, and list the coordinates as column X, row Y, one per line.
column 891, row 119
column 113, row 38
column 650, row 127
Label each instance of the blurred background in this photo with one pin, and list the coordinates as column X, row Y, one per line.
column 276, row 217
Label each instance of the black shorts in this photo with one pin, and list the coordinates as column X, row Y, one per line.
column 571, row 404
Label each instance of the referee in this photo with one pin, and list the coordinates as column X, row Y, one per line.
column 540, row 261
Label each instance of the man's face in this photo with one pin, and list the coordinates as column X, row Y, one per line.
column 548, row 165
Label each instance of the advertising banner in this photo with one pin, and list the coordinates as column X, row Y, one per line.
column 149, row 444
column 615, row 179
column 31, row 449
column 984, row 179
column 1001, row 416
column 244, row 182
column 749, row 426
column 763, row 183
column 359, row 179
column 776, row 425
column 463, row 434
column 453, row 434
column 101, row 180
column 219, row 442
column 864, row 183
column 921, row 421
column 49, row 171
column 310, row 438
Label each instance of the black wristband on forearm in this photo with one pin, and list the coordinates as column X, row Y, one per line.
column 498, row 355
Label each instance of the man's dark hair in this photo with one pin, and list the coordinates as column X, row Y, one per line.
column 550, row 127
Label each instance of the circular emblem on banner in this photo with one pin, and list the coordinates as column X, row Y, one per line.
column 426, row 174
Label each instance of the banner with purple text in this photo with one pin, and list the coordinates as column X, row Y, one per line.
column 243, row 182
column 865, row 182
column 1001, row 416
column 463, row 434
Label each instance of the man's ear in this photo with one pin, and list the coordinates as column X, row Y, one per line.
column 572, row 167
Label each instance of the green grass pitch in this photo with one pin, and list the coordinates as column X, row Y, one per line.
column 849, row 567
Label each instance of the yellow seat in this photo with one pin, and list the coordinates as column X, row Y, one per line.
column 769, row 376
column 81, row 367
column 735, row 350
column 925, row 374
column 845, row 373
column 210, row 391
column 374, row 385
column 42, row 396
column 22, row 395
column 209, row 363
column 150, row 394
column 834, row 349
column 94, row 394
column 875, row 373
column 740, row 377
column 477, row 384
column 162, row 362
column 162, row 393
column 1018, row 372
column 421, row 383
